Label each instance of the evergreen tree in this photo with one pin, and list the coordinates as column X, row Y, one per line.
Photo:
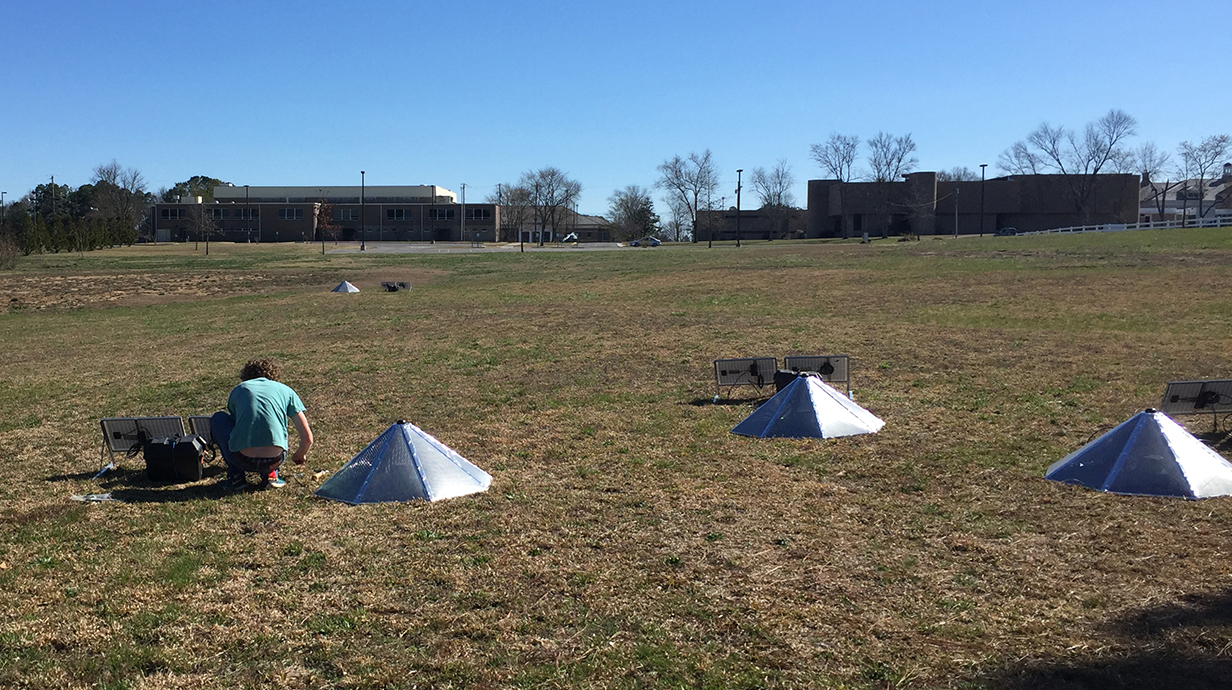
column 26, row 234
column 41, row 239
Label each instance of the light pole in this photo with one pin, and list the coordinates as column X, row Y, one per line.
column 462, row 226
column 362, row 217
column 982, row 166
column 738, row 172
column 956, row 190
column 4, row 216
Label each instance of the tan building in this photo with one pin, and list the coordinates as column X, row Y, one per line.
column 1188, row 199
column 305, row 214
column 574, row 227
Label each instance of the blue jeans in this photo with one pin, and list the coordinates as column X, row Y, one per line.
column 221, row 425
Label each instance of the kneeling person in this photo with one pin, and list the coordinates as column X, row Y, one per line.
column 252, row 433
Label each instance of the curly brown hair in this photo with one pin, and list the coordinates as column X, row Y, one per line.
column 260, row 368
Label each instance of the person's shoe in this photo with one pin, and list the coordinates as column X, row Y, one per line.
column 233, row 483
column 273, row 480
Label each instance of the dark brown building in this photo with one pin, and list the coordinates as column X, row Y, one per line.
column 760, row 224
column 922, row 205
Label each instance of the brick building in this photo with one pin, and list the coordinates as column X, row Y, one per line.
column 922, row 205
column 301, row 214
column 758, row 224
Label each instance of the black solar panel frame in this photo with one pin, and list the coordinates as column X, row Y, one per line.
column 120, row 433
column 740, row 371
column 1207, row 396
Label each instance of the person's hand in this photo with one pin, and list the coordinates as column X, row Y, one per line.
column 298, row 457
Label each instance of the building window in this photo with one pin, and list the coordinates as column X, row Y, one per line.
column 290, row 214
column 220, row 213
column 440, row 214
column 246, row 214
column 397, row 214
column 172, row 214
column 346, row 214
column 479, row 214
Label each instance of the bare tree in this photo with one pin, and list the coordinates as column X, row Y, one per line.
column 515, row 208
column 1079, row 158
column 689, row 180
column 120, row 193
column 201, row 221
column 1019, row 159
column 632, row 212
column 837, row 155
column 1150, row 163
column 1198, row 160
column 678, row 226
column 958, row 174
column 889, row 157
column 773, row 187
column 552, row 194
column 325, row 222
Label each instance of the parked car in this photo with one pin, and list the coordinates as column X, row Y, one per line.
column 1006, row 232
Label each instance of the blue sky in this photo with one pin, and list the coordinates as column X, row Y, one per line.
column 477, row 92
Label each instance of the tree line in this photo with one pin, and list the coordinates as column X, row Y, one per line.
column 105, row 212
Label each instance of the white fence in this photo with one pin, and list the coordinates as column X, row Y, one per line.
column 1219, row 221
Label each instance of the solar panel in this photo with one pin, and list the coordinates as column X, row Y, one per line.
column 123, row 434
column 744, row 371
column 199, row 424
column 831, row 368
column 1197, row 397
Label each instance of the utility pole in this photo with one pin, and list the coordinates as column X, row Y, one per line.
column 462, row 221
column 362, row 218
column 738, row 206
column 982, row 166
column 955, row 210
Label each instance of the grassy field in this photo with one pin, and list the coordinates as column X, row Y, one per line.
column 628, row 540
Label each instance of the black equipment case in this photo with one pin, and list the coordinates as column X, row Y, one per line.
column 175, row 459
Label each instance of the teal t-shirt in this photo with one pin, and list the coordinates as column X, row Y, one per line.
column 261, row 408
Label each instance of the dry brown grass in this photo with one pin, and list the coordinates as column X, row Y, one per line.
column 628, row 540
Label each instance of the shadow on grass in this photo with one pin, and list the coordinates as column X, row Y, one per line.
column 1219, row 440
column 80, row 476
column 132, row 486
column 1180, row 645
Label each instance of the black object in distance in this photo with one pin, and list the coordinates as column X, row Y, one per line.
column 826, row 368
